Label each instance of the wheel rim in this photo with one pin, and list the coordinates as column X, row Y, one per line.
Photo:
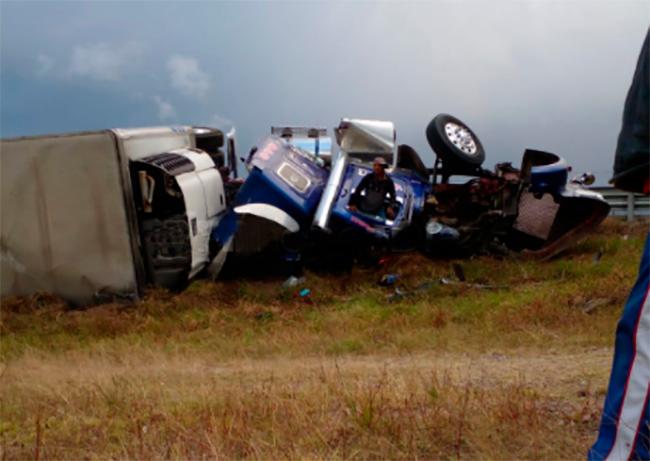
column 461, row 137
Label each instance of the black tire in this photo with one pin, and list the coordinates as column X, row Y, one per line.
column 453, row 157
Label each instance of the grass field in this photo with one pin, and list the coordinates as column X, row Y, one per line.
column 246, row 368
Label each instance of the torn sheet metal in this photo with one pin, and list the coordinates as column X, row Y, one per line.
column 367, row 138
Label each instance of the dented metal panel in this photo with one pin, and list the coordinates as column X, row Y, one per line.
column 137, row 143
column 367, row 138
column 64, row 224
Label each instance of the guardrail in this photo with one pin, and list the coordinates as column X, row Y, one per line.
column 624, row 203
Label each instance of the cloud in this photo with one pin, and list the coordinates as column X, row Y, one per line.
column 165, row 109
column 44, row 64
column 102, row 61
column 218, row 120
column 187, row 77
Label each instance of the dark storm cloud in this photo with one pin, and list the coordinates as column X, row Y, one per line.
column 550, row 75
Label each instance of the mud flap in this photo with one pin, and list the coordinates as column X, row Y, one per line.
column 217, row 263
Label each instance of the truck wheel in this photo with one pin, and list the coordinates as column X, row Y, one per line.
column 455, row 143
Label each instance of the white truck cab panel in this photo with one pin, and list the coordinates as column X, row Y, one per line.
column 203, row 194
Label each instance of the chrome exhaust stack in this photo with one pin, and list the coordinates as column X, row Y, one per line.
column 324, row 210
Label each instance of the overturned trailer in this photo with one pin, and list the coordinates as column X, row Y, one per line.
column 95, row 215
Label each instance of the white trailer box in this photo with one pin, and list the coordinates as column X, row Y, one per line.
column 75, row 218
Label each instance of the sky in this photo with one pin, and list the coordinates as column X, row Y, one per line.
column 549, row 75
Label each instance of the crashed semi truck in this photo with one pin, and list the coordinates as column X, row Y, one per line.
column 97, row 215
column 303, row 193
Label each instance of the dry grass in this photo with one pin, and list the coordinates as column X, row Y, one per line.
column 247, row 369
column 425, row 405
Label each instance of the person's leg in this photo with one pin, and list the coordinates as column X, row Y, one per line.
column 624, row 426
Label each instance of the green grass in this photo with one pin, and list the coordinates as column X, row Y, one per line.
column 350, row 313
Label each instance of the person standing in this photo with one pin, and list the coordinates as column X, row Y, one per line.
column 625, row 424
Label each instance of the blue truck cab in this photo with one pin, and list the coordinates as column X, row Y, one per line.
column 284, row 176
column 294, row 186
column 360, row 142
column 410, row 192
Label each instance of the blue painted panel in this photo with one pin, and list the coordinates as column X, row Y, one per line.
column 404, row 192
column 284, row 177
column 549, row 178
column 226, row 228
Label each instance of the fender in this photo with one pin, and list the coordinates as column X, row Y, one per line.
column 270, row 212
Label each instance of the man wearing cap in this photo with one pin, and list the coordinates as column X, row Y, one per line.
column 376, row 186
